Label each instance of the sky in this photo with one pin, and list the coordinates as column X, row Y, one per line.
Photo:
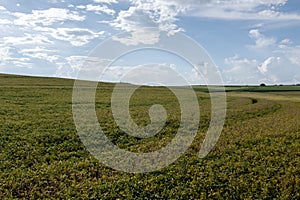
column 250, row 41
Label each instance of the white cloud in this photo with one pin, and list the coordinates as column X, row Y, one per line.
column 40, row 53
column 5, row 53
column 27, row 39
column 81, row 6
column 76, row 62
column 279, row 70
column 42, row 56
column 46, row 17
column 38, row 35
column 141, row 36
column 100, row 9
column 105, row 1
column 285, row 41
column 241, row 71
column 291, row 53
column 97, row 9
column 21, row 63
column 75, row 36
column 264, row 66
column 8, row 59
column 133, row 19
column 260, row 39
column 163, row 14
column 2, row 8
column 37, row 49
column 5, row 22
column 240, row 10
column 148, row 74
column 272, row 70
column 144, row 14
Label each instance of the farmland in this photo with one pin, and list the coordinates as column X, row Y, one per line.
column 42, row 156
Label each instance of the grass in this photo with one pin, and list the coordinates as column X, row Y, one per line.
column 256, row 157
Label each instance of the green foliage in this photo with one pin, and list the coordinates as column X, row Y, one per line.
column 41, row 155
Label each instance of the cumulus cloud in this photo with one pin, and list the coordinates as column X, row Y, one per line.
column 260, row 39
column 279, row 70
column 144, row 14
column 241, row 71
column 163, row 14
column 291, row 53
column 284, row 68
column 264, row 66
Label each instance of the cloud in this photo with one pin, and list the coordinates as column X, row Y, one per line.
column 105, row 1
column 34, row 35
column 147, row 74
column 46, row 17
column 163, row 14
column 42, row 56
column 37, row 49
column 100, row 9
column 133, row 19
column 5, row 53
column 144, row 36
column 40, row 53
column 279, row 62
column 272, row 70
column 240, row 10
column 291, row 53
column 2, row 8
column 97, row 9
column 27, row 39
column 5, row 22
column 264, row 66
column 70, row 66
column 9, row 59
column 75, row 36
column 285, row 41
column 279, row 70
column 241, row 71
column 144, row 14
column 260, row 39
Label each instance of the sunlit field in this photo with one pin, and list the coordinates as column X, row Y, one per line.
column 42, row 156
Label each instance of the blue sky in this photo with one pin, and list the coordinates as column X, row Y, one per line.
column 251, row 41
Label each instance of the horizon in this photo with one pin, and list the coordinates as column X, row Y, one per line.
column 107, row 82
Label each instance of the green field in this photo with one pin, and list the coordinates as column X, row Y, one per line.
column 41, row 155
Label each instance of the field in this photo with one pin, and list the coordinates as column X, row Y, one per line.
column 42, row 156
